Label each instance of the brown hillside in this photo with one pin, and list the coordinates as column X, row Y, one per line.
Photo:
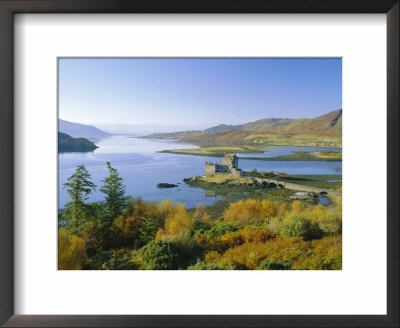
column 329, row 125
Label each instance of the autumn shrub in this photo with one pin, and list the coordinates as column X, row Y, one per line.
column 275, row 265
column 330, row 224
column 250, row 255
column 267, row 209
column 166, row 207
column 201, row 213
column 71, row 251
column 236, row 238
column 243, row 211
column 125, row 230
column 296, row 207
column 252, row 234
column 222, row 244
column 136, row 226
column 275, row 224
column 177, row 220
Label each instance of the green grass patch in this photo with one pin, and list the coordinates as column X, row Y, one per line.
column 317, row 181
column 301, row 156
column 215, row 151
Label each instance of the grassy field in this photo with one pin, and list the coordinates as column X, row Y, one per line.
column 317, row 181
column 328, row 154
column 215, row 151
column 323, row 156
column 295, row 140
column 304, row 156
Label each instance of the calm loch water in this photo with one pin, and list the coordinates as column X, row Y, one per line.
column 142, row 167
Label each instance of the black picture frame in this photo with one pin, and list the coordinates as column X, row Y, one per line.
column 10, row 7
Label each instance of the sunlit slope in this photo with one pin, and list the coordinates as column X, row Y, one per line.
column 274, row 129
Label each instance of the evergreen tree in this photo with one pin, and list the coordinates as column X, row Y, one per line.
column 115, row 193
column 78, row 187
column 147, row 231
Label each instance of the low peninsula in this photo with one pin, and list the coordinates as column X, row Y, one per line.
column 66, row 143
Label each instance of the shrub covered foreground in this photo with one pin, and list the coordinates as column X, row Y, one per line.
column 122, row 233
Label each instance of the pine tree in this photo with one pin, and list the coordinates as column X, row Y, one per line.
column 78, row 187
column 115, row 193
column 147, row 231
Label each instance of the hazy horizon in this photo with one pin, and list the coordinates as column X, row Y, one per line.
column 122, row 128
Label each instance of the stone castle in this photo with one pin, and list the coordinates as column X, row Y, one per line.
column 229, row 165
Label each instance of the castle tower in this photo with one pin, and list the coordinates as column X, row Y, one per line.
column 230, row 160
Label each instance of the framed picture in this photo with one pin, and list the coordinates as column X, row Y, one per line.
column 181, row 163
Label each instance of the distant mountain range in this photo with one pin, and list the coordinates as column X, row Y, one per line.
column 328, row 125
column 68, row 144
column 78, row 130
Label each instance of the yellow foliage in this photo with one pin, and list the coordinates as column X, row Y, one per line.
column 201, row 213
column 126, row 227
column 166, row 207
column 267, row 209
column 247, row 234
column 178, row 220
column 212, row 257
column 160, row 233
column 321, row 254
column 297, row 207
column 243, row 211
column 246, row 210
column 227, row 241
column 252, row 234
column 71, row 251
column 281, row 209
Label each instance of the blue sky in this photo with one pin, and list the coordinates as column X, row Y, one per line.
column 153, row 95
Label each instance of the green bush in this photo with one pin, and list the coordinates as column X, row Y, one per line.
column 204, row 266
column 113, row 260
column 221, row 229
column 160, row 255
column 170, row 254
column 331, row 224
column 300, row 226
column 275, row 265
column 201, row 225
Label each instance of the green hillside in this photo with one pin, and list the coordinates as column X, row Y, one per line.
column 224, row 127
